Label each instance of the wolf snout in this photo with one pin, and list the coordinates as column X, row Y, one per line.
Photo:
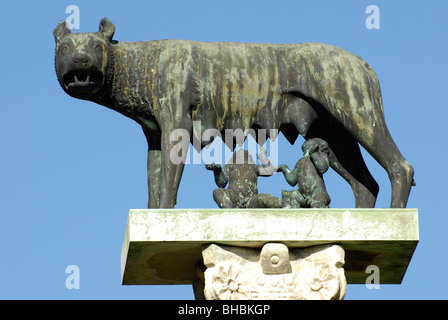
column 81, row 60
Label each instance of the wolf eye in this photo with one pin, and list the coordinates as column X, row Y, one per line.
column 65, row 48
column 98, row 47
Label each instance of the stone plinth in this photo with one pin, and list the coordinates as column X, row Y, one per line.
column 165, row 246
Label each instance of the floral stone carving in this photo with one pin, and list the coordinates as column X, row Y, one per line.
column 275, row 272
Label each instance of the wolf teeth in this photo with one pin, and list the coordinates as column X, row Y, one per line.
column 86, row 80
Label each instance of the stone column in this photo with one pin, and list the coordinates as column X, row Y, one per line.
column 272, row 273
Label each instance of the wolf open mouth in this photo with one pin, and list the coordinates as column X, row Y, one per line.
column 81, row 78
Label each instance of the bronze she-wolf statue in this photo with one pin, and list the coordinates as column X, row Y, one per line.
column 312, row 89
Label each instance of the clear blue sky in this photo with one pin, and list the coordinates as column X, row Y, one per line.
column 70, row 170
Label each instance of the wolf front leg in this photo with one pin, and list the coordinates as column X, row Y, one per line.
column 175, row 143
column 154, row 166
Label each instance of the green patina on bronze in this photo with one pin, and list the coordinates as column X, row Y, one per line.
column 307, row 174
column 242, row 174
column 312, row 89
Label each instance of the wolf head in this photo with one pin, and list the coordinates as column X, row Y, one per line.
column 84, row 61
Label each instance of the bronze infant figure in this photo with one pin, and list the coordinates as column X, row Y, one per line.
column 307, row 174
column 242, row 174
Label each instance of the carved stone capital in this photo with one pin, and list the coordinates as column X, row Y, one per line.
column 274, row 272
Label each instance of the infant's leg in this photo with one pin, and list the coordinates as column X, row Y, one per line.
column 319, row 197
column 225, row 198
column 265, row 200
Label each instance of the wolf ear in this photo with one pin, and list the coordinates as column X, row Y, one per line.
column 61, row 31
column 107, row 28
